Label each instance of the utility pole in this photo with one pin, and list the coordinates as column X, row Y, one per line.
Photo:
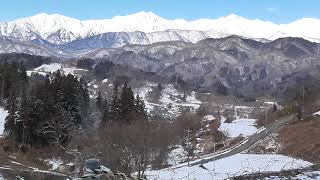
column 76, row 155
column 188, row 146
column 75, row 167
column 266, row 121
column 214, row 151
column 235, row 111
column 23, row 133
column 302, row 104
column 2, row 86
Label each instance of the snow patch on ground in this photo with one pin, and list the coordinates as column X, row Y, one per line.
column 170, row 97
column 316, row 113
column 176, row 156
column 272, row 143
column 235, row 165
column 104, row 81
column 270, row 103
column 54, row 163
column 3, row 115
column 242, row 126
column 49, row 67
column 208, row 118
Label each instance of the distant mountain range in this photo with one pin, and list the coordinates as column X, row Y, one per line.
column 233, row 54
column 68, row 37
column 242, row 66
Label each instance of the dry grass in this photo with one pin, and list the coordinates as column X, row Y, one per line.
column 302, row 139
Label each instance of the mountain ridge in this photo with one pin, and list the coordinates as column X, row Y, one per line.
column 58, row 29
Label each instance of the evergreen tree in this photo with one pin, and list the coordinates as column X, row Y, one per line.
column 105, row 110
column 140, row 108
column 24, row 115
column 85, row 96
column 12, row 122
column 115, row 104
column 23, row 77
column 160, row 87
column 99, row 101
column 126, row 103
column 275, row 108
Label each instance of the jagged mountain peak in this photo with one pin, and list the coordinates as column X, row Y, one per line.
column 233, row 17
column 42, row 20
column 147, row 15
column 58, row 29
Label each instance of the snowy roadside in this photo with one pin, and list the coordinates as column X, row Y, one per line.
column 235, row 165
column 3, row 115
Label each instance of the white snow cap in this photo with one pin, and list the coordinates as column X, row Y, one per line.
column 70, row 28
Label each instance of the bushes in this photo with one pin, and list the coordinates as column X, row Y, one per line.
column 132, row 147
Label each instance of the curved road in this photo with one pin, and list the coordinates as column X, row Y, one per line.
column 272, row 127
column 244, row 145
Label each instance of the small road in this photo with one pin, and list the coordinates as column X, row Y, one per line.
column 11, row 170
column 14, row 174
column 244, row 145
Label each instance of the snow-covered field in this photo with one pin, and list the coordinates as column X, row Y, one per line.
column 235, row 165
column 3, row 115
column 51, row 68
column 242, row 126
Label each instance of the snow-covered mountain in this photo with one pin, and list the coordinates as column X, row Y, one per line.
column 58, row 29
column 9, row 45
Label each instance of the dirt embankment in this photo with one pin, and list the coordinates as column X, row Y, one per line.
column 302, row 139
column 306, row 173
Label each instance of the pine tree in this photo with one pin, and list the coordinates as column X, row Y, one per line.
column 105, row 110
column 275, row 108
column 115, row 104
column 12, row 120
column 85, row 96
column 99, row 101
column 24, row 116
column 140, row 108
column 126, row 103
column 23, row 77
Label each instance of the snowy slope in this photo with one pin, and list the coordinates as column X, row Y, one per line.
column 3, row 115
column 236, row 165
column 242, row 126
column 59, row 29
column 51, row 68
column 170, row 102
column 10, row 45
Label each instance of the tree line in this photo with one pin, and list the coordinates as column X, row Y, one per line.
column 123, row 107
column 45, row 111
column 13, row 79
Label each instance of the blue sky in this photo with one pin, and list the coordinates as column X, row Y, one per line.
column 279, row 11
